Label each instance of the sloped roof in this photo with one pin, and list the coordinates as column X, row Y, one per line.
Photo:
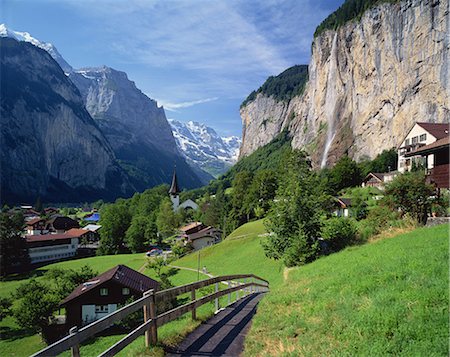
column 47, row 237
column 122, row 274
column 438, row 130
column 190, row 226
column 438, row 144
column 77, row 232
column 377, row 175
column 93, row 227
column 34, row 221
column 347, row 202
column 62, row 222
column 174, row 189
column 203, row 233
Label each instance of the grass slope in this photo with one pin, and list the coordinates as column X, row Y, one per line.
column 385, row 298
column 99, row 264
column 240, row 253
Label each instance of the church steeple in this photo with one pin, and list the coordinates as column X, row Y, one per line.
column 174, row 189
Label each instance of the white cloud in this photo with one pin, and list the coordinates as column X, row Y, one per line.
column 218, row 47
column 174, row 106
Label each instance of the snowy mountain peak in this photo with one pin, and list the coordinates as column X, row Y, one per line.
column 26, row 37
column 201, row 145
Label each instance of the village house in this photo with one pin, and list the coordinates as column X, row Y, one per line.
column 36, row 226
column 51, row 247
column 436, row 158
column 342, row 207
column 61, row 224
column 95, row 229
column 198, row 235
column 104, row 294
column 378, row 180
column 421, row 134
column 204, row 238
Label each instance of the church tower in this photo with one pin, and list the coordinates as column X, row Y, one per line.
column 174, row 192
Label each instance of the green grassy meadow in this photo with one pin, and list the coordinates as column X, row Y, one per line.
column 240, row 253
column 389, row 297
column 15, row 341
column 385, row 297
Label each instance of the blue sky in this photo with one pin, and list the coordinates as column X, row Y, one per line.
column 198, row 58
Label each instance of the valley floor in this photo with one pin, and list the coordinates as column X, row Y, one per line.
column 385, row 297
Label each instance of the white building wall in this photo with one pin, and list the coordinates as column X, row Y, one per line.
column 203, row 242
column 175, row 201
column 416, row 131
column 53, row 252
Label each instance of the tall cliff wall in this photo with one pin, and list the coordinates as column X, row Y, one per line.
column 135, row 126
column 369, row 81
column 51, row 147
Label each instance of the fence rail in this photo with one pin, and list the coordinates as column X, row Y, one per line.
column 250, row 284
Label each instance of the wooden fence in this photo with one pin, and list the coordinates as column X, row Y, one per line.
column 249, row 283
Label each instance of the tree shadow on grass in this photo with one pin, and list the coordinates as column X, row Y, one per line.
column 23, row 276
column 8, row 333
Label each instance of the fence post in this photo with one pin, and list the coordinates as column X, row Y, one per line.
column 194, row 314
column 229, row 294
column 75, row 350
column 151, row 335
column 217, row 299
column 245, row 289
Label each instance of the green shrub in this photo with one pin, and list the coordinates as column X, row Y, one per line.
column 301, row 251
column 339, row 232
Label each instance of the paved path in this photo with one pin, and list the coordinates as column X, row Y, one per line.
column 223, row 334
column 191, row 269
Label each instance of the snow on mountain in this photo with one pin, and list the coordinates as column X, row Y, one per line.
column 202, row 146
column 26, row 37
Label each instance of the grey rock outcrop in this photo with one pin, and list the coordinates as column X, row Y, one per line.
column 369, row 82
column 50, row 145
column 136, row 127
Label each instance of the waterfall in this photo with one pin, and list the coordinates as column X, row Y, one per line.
column 331, row 100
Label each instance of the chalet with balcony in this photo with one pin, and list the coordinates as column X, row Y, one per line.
column 36, row 226
column 104, row 294
column 420, row 135
column 436, row 159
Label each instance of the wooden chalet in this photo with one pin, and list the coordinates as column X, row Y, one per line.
column 61, row 224
column 205, row 237
column 104, row 294
column 36, row 226
column 436, row 156
column 378, row 179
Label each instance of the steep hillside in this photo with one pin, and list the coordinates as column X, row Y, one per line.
column 385, row 298
column 370, row 78
column 136, row 127
column 51, row 147
column 265, row 112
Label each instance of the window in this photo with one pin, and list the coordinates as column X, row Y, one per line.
column 406, row 142
column 103, row 292
column 125, row 291
column 101, row 308
column 423, row 137
column 414, row 140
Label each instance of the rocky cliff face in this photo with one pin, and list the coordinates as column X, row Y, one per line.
column 262, row 119
column 369, row 82
column 136, row 127
column 51, row 147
